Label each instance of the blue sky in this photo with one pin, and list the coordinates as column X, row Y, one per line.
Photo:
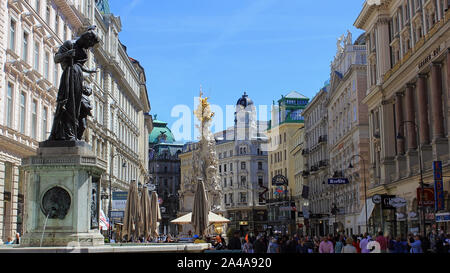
column 264, row 47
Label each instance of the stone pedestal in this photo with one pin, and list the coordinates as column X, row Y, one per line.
column 440, row 149
column 412, row 159
column 401, row 168
column 427, row 154
column 61, row 201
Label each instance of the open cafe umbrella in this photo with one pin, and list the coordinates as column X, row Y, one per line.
column 155, row 215
column 200, row 211
column 146, row 213
column 132, row 213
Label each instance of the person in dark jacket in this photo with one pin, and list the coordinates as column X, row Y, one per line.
column 235, row 242
column 260, row 246
column 301, row 247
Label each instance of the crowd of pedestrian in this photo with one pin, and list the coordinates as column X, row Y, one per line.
column 337, row 243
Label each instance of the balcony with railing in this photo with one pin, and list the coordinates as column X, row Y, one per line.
column 323, row 139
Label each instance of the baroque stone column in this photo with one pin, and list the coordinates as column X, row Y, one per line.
column 410, row 116
column 436, row 101
column 411, row 155
column 424, row 127
column 399, row 122
column 440, row 142
column 400, row 158
column 422, row 98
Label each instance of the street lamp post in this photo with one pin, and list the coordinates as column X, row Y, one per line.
column 110, row 193
column 365, row 186
column 422, row 207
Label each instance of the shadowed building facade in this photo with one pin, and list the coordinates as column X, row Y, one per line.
column 164, row 171
column 32, row 33
column 408, row 101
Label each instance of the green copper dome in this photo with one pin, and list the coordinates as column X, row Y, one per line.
column 161, row 133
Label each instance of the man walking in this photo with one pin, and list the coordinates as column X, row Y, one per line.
column 326, row 246
column 364, row 242
column 382, row 241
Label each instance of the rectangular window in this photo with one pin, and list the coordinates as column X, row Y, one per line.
column 47, row 15
column 56, row 23
column 22, row 112
column 46, row 65
column 65, row 33
column 25, row 47
column 243, row 197
column 9, row 104
column 100, row 114
column 44, row 123
column 38, row 6
column 34, row 119
column 36, row 56
column 243, row 166
column 55, row 75
column 12, row 35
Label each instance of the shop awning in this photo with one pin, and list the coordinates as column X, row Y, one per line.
column 212, row 218
column 362, row 216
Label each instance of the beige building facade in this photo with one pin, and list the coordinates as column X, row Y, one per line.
column 407, row 98
column 348, row 141
column 316, row 161
column 287, row 118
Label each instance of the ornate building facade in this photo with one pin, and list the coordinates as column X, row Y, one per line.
column 287, row 118
column 243, row 169
column 164, row 170
column 32, row 32
column 408, row 48
column 316, row 161
column 348, row 141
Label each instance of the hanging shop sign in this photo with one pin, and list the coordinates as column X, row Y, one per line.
column 376, row 199
column 400, row 216
column 392, row 202
column 412, row 215
column 119, row 200
column 337, row 181
column 442, row 217
column 279, row 180
column 428, row 194
column 438, row 186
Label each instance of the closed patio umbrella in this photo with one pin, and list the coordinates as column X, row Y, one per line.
column 200, row 211
column 132, row 213
column 155, row 215
column 146, row 213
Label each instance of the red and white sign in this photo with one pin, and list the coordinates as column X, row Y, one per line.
column 104, row 221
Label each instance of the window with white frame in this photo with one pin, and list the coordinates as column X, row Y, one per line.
column 25, row 47
column 23, row 101
column 44, row 123
column 36, row 56
column 9, row 104
column 34, row 119
column 12, row 35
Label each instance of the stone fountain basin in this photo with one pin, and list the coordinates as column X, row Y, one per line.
column 112, row 248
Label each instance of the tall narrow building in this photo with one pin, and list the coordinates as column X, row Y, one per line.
column 287, row 118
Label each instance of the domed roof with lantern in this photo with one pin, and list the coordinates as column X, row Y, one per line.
column 244, row 100
column 160, row 133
